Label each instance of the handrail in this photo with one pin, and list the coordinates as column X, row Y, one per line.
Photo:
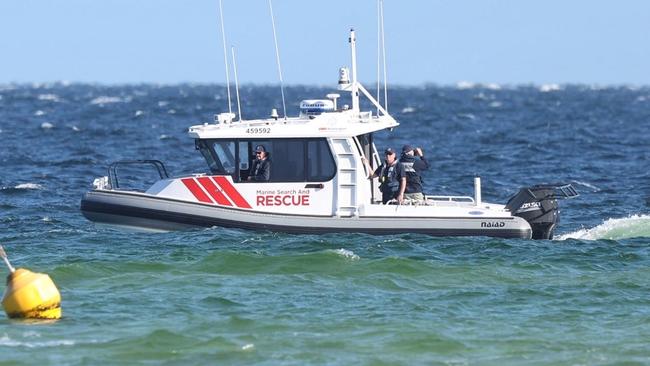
column 451, row 198
column 112, row 169
column 432, row 200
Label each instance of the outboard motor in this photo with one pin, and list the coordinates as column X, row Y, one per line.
column 538, row 205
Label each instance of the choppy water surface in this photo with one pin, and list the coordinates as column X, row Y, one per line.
column 238, row 297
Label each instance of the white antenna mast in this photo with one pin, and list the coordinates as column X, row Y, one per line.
column 378, row 54
column 277, row 58
column 234, row 67
column 355, row 85
column 225, row 55
column 383, row 51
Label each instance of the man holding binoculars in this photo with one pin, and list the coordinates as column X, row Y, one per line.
column 408, row 173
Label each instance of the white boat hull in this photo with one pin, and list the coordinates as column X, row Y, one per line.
column 150, row 212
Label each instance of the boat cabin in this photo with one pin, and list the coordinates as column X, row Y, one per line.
column 315, row 159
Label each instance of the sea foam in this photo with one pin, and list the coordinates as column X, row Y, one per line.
column 347, row 254
column 106, row 100
column 28, row 186
column 49, row 97
column 8, row 342
column 634, row 226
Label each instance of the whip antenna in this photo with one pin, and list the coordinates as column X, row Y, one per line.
column 277, row 58
column 378, row 55
column 383, row 52
column 234, row 67
column 225, row 55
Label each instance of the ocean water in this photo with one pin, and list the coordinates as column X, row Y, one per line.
column 221, row 296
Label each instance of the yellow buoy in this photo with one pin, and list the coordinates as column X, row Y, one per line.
column 29, row 294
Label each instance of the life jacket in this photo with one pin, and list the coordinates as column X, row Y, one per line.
column 408, row 170
column 388, row 178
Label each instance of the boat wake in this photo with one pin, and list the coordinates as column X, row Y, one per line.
column 634, row 226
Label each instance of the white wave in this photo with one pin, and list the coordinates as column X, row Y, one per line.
column 46, row 219
column 171, row 111
column 347, row 254
column 29, row 186
column 39, row 113
column 465, row 85
column 469, row 116
column 164, row 137
column 49, row 97
column 247, row 347
column 549, row 88
column 408, row 110
column 138, row 113
column 46, row 125
column 634, row 226
column 75, row 128
column 8, row 342
column 495, row 104
column 493, row 86
column 162, row 103
column 106, row 100
column 482, row 96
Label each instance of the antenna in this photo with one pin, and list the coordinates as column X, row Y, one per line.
column 355, row 85
column 383, row 51
column 378, row 53
column 225, row 55
column 234, row 67
column 277, row 58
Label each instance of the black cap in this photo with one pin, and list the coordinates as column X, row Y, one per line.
column 260, row 148
column 407, row 148
column 389, row 151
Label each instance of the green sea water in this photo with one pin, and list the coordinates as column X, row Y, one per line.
column 234, row 297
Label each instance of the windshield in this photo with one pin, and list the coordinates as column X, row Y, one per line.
column 220, row 155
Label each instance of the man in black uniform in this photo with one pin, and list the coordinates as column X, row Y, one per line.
column 408, row 174
column 261, row 169
column 388, row 183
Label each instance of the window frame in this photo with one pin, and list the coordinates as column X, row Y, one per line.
column 202, row 144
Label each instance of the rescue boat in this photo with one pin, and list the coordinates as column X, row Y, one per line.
column 317, row 183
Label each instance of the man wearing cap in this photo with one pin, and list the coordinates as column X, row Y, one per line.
column 386, row 172
column 408, row 174
column 261, row 169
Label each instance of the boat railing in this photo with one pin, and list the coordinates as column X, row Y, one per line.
column 437, row 200
column 113, row 176
column 459, row 199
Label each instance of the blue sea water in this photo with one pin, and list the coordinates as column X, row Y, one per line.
column 223, row 296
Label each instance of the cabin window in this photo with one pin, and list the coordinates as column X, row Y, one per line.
column 244, row 160
column 226, row 152
column 320, row 164
column 288, row 160
column 206, row 150
column 292, row 160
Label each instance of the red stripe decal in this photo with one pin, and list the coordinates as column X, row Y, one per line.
column 231, row 192
column 196, row 190
column 213, row 191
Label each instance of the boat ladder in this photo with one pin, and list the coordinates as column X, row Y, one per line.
column 346, row 178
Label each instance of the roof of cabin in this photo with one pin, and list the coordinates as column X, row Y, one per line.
column 329, row 124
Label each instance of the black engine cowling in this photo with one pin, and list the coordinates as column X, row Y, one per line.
column 538, row 205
